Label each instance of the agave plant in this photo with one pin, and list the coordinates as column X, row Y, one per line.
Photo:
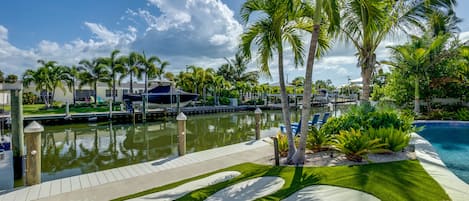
column 395, row 139
column 356, row 146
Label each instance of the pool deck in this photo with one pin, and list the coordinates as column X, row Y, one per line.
column 431, row 162
column 118, row 182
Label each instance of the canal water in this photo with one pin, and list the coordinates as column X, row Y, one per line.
column 75, row 149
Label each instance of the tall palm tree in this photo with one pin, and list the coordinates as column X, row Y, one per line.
column 92, row 72
column 235, row 70
column 367, row 23
column 325, row 20
column 161, row 66
column 269, row 32
column 114, row 68
column 73, row 75
column 416, row 58
column 130, row 68
column 149, row 68
column 219, row 83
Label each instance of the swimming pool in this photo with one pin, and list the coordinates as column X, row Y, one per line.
column 451, row 141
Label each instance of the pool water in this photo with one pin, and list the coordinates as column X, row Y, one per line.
column 451, row 142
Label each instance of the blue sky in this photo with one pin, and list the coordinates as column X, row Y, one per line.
column 199, row 32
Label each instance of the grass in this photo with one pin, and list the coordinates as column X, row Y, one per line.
column 36, row 109
column 394, row 181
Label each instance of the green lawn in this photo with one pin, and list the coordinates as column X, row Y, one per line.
column 39, row 109
column 394, row 181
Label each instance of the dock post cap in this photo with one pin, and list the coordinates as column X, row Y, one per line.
column 258, row 111
column 33, row 127
column 181, row 117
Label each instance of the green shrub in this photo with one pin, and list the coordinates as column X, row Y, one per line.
column 334, row 125
column 462, row 114
column 224, row 101
column 29, row 98
column 395, row 139
column 356, row 146
column 318, row 141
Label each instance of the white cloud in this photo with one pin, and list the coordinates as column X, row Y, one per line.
column 196, row 28
column 16, row 60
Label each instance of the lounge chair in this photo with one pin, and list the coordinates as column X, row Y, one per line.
column 315, row 119
column 325, row 117
column 296, row 127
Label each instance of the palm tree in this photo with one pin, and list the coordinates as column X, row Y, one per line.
column 162, row 65
column 92, row 72
column 235, row 70
column 48, row 77
column 73, row 75
column 114, row 68
column 219, row 83
column 40, row 79
column 318, row 44
column 367, row 23
column 150, row 70
column 416, row 58
column 130, row 68
column 201, row 78
column 270, row 32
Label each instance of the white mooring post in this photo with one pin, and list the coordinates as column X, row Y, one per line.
column 181, row 118
column 32, row 136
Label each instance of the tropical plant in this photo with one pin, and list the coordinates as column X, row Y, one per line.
column 394, row 139
column 356, row 146
column 114, row 68
column 270, row 32
column 235, row 70
column 92, row 72
column 130, row 68
column 318, row 141
column 149, row 68
column 334, row 125
column 367, row 23
column 462, row 114
column 73, row 75
column 29, row 98
column 11, row 78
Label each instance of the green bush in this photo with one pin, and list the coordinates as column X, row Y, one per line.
column 29, row 98
column 462, row 114
column 224, row 100
column 334, row 125
column 395, row 140
column 356, row 146
column 318, row 141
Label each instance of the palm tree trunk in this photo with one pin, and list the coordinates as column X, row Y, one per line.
column 113, row 89
column 417, row 96
column 95, row 93
column 366, row 77
column 285, row 107
column 131, row 83
column 74, row 92
column 299, row 157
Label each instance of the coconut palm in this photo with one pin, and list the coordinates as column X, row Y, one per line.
column 269, row 32
column 114, row 68
column 235, row 70
column 367, row 23
column 92, row 72
column 130, row 68
column 219, row 83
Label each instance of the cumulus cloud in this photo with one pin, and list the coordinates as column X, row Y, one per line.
column 196, row 28
column 16, row 60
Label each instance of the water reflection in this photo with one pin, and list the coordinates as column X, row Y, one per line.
column 69, row 150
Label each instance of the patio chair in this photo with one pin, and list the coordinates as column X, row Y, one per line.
column 325, row 117
column 315, row 119
column 296, row 127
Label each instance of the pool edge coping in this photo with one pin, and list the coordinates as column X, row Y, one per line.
column 435, row 167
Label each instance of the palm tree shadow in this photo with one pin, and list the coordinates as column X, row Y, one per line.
column 163, row 161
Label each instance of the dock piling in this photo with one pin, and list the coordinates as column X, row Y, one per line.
column 33, row 157
column 181, row 118
column 258, row 113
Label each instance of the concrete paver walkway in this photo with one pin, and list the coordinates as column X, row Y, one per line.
column 118, row 182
